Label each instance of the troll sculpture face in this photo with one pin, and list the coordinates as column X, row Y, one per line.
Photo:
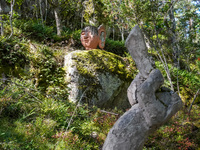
column 91, row 37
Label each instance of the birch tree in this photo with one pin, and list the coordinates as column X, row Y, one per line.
column 56, row 9
column 4, row 9
column 12, row 3
column 1, row 19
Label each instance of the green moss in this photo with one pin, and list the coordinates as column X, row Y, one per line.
column 95, row 66
column 88, row 62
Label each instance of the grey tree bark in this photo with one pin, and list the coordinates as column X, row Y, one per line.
column 55, row 4
column 175, row 46
column 1, row 20
column 46, row 10
column 58, row 20
column 173, row 33
column 4, row 9
column 41, row 14
column 11, row 15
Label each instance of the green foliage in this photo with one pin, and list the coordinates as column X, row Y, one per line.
column 188, row 82
column 180, row 133
column 189, row 85
column 34, row 116
column 18, row 98
column 116, row 47
column 14, row 55
column 37, row 31
column 34, row 29
column 198, row 64
column 87, row 133
column 198, row 61
column 76, row 38
column 34, row 110
column 89, row 11
column 189, row 39
column 46, row 70
column 32, row 120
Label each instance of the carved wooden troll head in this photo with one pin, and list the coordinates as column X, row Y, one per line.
column 91, row 37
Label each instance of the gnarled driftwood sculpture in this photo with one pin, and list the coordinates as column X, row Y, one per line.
column 152, row 105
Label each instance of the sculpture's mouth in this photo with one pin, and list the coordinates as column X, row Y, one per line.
column 86, row 41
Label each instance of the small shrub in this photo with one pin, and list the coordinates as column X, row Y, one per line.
column 18, row 98
column 179, row 133
column 14, row 55
column 76, row 37
column 116, row 47
column 39, row 121
column 87, row 131
column 187, row 82
column 46, row 70
column 35, row 30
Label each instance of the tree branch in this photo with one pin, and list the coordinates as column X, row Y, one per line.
column 193, row 101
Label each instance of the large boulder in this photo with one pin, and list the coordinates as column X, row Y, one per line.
column 101, row 78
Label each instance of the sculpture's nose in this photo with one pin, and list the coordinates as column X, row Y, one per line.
column 86, row 35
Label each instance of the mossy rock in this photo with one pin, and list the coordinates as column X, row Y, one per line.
column 104, row 75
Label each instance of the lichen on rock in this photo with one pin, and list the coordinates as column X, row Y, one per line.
column 106, row 77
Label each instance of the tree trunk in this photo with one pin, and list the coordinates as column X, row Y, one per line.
column 46, row 10
column 36, row 10
column 4, row 9
column 122, row 33
column 113, row 33
column 12, row 3
column 41, row 14
column 1, row 20
column 173, row 28
column 175, row 46
column 82, row 20
column 161, row 56
column 58, row 21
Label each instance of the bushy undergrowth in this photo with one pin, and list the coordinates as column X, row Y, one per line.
column 37, row 31
column 181, row 133
column 188, row 82
column 14, row 55
column 34, row 120
column 116, row 47
column 35, row 112
column 34, row 29
column 45, row 70
column 198, row 61
column 38, row 64
column 40, row 32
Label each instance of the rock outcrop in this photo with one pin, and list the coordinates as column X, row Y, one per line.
column 103, row 76
column 152, row 105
